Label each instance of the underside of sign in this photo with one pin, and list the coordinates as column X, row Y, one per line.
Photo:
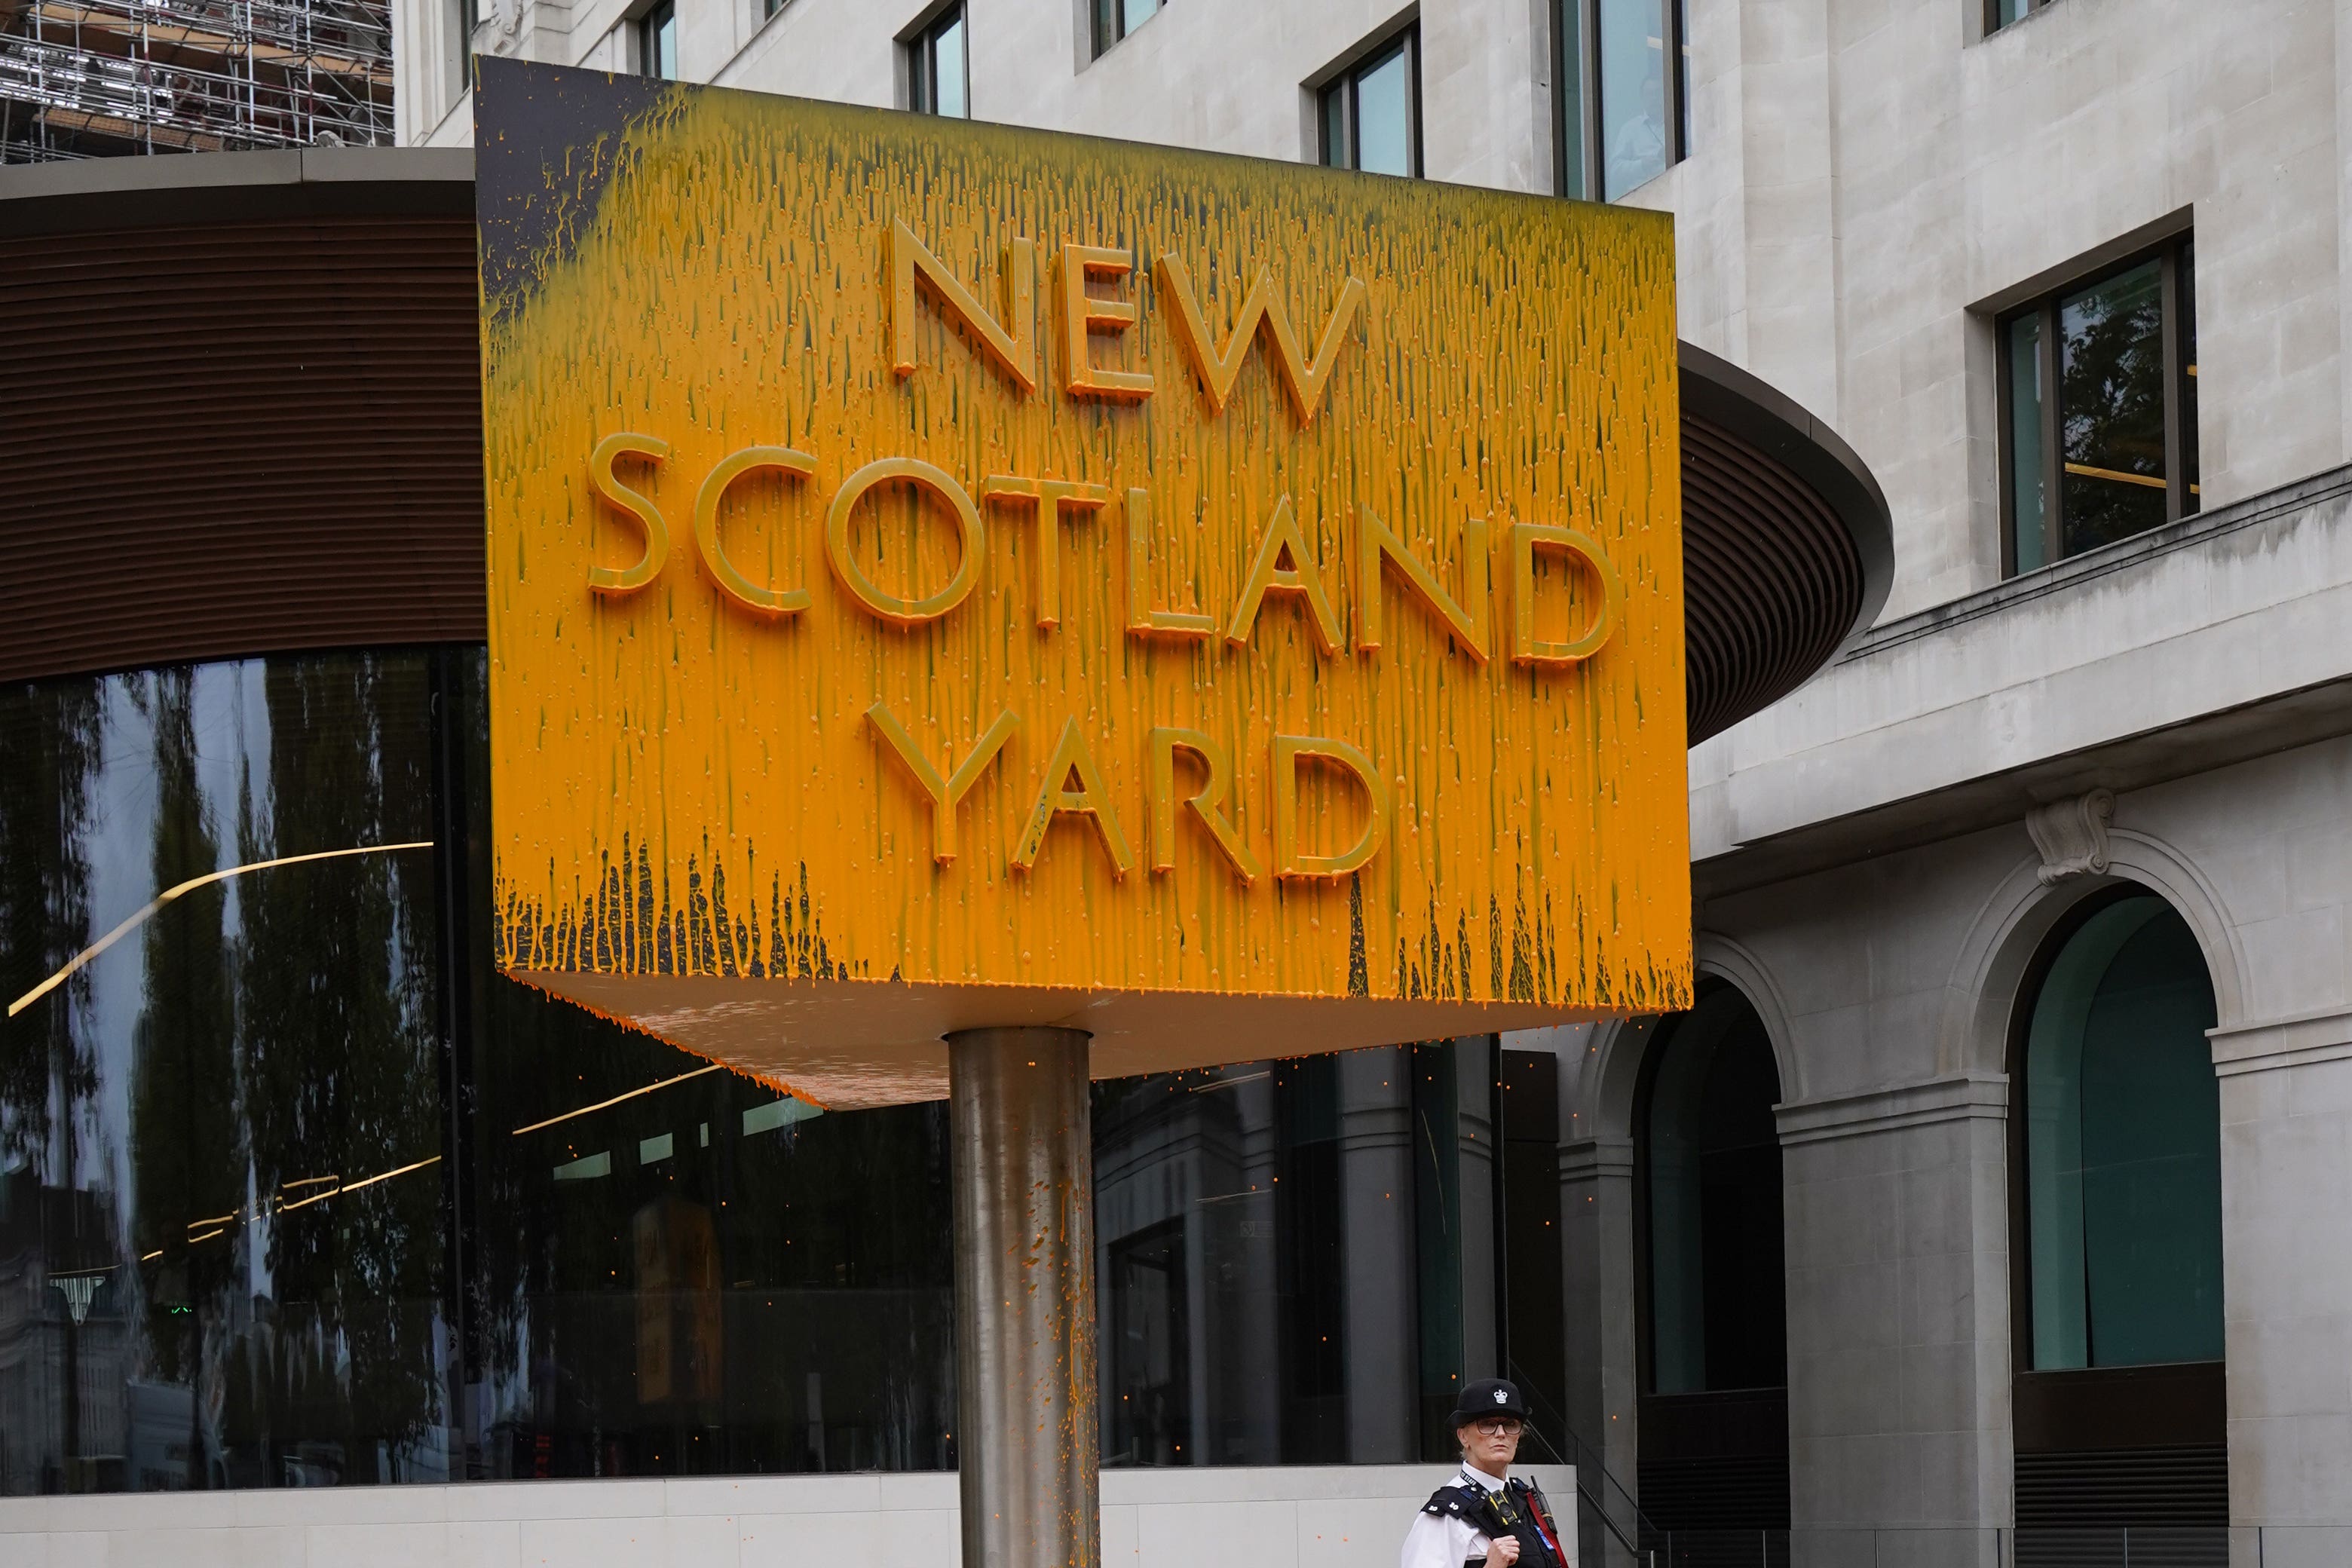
column 945, row 576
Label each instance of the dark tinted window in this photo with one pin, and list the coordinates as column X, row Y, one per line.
column 221, row 1152
column 2122, row 1130
column 1371, row 111
column 2099, row 418
column 295, row 1191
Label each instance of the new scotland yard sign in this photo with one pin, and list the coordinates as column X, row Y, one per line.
column 944, row 575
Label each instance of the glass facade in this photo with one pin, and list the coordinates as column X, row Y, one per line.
column 1711, row 1172
column 1573, row 111
column 2123, row 1156
column 221, row 1254
column 294, row 1191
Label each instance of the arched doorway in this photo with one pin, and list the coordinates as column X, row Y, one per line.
column 1714, row 1435
column 2116, row 1166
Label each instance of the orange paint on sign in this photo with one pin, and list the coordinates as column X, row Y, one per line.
column 1095, row 639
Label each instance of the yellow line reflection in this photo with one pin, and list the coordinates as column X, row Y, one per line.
column 388, row 1175
column 189, row 886
column 284, row 1207
column 616, row 1099
column 2117, row 475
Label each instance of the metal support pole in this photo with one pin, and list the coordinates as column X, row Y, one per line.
column 1026, row 1437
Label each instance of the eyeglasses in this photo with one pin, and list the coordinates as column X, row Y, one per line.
column 1499, row 1426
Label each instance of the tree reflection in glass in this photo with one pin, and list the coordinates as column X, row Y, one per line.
column 2111, row 344
column 701, row 1278
column 219, row 1294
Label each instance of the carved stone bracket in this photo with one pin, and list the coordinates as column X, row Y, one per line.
column 2072, row 836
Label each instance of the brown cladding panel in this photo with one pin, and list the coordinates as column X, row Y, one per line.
column 2182, row 1406
column 239, row 438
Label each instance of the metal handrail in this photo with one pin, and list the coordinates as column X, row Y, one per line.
column 1586, row 1458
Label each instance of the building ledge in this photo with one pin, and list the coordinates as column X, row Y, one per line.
column 2207, row 642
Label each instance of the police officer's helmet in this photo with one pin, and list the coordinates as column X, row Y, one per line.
column 1489, row 1396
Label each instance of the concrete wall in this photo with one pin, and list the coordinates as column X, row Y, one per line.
column 1348, row 1518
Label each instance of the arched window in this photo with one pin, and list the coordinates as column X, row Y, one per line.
column 2121, row 1119
column 1712, row 1452
column 1711, row 1170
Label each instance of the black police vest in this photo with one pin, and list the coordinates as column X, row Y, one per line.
column 1518, row 1510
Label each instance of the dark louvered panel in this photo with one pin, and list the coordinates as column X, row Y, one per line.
column 1771, row 578
column 2141, row 1487
column 241, row 437
column 1734, row 1493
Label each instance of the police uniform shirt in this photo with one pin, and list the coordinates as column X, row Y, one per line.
column 1443, row 1539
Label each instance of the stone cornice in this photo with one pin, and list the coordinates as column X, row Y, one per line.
column 1959, row 1097
column 2296, row 1041
column 1589, row 1159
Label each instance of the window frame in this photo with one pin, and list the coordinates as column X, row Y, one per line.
column 466, row 17
column 1110, row 25
column 1587, row 181
column 1340, row 85
column 1993, row 24
column 2179, row 308
column 920, row 43
column 644, row 29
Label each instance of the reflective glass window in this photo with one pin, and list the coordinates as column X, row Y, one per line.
column 1631, row 48
column 1296, row 1259
column 1115, row 19
column 1384, row 118
column 2112, row 394
column 1623, row 99
column 1572, row 106
column 1711, row 1178
column 691, row 1274
column 2123, row 1164
column 2026, row 414
column 296, row 1191
column 464, row 17
column 657, row 41
column 2099, row 426
column 937, row 67
column 1371, row 112
column 221, row 1149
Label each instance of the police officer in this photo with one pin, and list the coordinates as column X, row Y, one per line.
column 1482, row 1515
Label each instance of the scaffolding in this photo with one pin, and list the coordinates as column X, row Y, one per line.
column 89, row 77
